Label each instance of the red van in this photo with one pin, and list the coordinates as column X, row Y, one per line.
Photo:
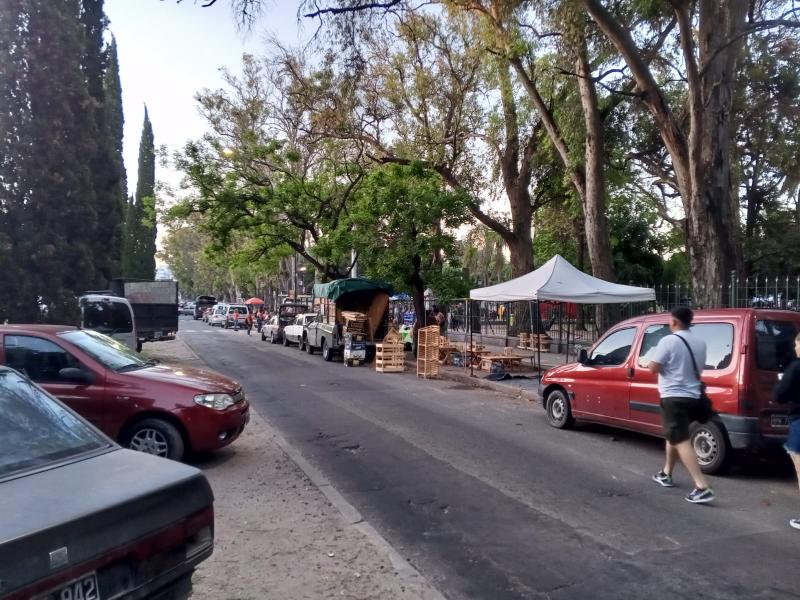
column 747, row 351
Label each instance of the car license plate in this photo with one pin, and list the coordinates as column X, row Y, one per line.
column 779, row 420
column 83, row 588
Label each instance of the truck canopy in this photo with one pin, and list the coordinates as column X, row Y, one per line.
column 338, row 288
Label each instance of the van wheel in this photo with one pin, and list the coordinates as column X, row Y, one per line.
column 711, row 447
column 157, row 437
column 138, row 345
column 559, row 411
column 327, row 354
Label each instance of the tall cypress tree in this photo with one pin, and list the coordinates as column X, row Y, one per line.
column 106, row 166
column 139, row 259
column 47, row 183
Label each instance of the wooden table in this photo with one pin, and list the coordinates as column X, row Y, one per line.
column 508, row 360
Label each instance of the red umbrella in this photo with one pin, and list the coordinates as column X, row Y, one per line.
column 254, row 301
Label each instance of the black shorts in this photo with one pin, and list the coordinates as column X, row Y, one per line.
column 676, row 416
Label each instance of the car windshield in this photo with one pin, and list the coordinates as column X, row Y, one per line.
column 103, row 349
column 35, row 430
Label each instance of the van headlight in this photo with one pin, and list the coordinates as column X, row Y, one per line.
column 215, row 401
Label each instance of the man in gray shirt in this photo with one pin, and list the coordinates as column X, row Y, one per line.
column 679, row 388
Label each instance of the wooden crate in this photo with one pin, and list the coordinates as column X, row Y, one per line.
column 390, row 357
column 428, row 352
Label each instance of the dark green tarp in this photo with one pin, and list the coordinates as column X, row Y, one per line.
column 336, row 289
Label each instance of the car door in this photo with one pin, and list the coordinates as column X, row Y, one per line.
column 42, row 360
column 645, row 401
column 603, row 388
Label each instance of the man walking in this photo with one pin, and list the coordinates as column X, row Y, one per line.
column 680, row 392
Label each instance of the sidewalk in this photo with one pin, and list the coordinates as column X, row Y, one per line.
column 278, row 535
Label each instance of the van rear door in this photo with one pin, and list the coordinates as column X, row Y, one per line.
column 773, row 338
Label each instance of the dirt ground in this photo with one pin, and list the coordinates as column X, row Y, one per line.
column 277, row 535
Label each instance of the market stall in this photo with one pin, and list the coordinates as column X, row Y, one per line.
column 556, row 280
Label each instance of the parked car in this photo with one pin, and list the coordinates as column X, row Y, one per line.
column 86, row 519
column 747, row 351
column 155, row 408
column 201, row 303
column 229, row 315
column 296, row 332
column 272, row 330
column 187, row 309
column 218, row 315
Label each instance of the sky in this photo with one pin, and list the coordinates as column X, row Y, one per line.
column 168, row 51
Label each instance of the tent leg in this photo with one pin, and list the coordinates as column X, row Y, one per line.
column 469, row 352
column 566, row 350
column 538, row 347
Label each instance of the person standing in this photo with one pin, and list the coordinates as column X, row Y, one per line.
column 787, row 391
column 236, row 319
column 248, row 322
column 676, row 360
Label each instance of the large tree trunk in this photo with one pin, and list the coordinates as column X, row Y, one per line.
column 701, row 162
column 594, row 198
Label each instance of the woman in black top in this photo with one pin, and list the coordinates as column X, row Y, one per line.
column 787, row 391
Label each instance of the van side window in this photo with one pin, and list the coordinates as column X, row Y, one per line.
column 719, row 344
column 614, row 349
column 717, row 336
column 652, row 335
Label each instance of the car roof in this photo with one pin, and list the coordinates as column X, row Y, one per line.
column 718, row 313
column 36, row 328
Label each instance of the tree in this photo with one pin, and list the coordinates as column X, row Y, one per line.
column 106, row 162
column 49, row 135
column 400, row 222
column 265, row 173
column 139, row 251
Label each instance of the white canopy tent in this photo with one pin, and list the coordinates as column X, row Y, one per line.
column 557, row 280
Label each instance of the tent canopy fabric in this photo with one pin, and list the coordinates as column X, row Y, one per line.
column 559, row 281
column 338, row 288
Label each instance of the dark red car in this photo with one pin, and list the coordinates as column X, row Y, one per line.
column 159, row 409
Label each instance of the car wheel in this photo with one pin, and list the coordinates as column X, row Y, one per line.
column 309, row 347
column 301, row 344
column 157, row 437
column 263, row 337
column 272, row 339
column 559, row 411
column 138, row 345
column 327, row 353
column 285, row 340
column 710, row 444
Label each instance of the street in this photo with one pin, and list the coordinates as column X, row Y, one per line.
column 486, row 500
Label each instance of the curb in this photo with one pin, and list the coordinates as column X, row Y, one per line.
column 506, row 390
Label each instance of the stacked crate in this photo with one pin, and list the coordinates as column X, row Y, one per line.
column 390, row 356
column 428, row 352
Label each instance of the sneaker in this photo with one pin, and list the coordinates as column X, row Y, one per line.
column 794, row 523
column 698, row 496
column 663, row 479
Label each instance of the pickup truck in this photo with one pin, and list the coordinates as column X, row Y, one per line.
column 272, row 330
column 356, row 294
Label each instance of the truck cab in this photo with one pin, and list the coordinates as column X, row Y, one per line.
column 110, row 315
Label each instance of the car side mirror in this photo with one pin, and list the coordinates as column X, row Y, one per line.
column 76, row 376
column 583, row 356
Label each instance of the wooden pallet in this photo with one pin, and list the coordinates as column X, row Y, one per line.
column 428, row 352
column 390, row 357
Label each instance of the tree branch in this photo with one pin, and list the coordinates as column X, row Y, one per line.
column 350, row 9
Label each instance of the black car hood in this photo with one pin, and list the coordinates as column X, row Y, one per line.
column 91, row 506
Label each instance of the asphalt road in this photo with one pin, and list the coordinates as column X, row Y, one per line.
column 488, row 501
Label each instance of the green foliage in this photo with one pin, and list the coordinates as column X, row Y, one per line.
column 139, row 243
column 401, row 224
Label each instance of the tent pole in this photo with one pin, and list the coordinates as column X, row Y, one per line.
column 507, row 319
column 469, row 352
column 567, row 349
column 538, row 345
